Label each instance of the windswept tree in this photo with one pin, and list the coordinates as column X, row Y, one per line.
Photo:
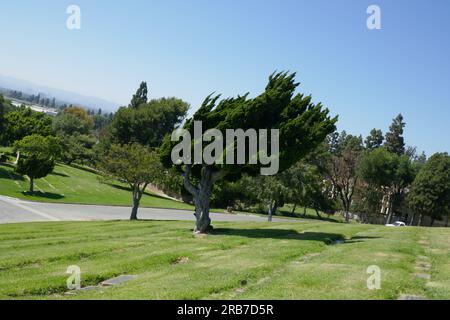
column 430, row 191
column 140, row 97
column 135, row 165
column 395, row 142
column 37, row 157
column 302, row 127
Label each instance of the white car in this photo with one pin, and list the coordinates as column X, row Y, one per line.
column 397, row 224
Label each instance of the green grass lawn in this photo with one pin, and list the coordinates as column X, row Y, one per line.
column 238, row 261
column 71, row 185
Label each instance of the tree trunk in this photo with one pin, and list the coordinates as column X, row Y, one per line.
column 420, row 220
column 136, row 200
column 432, row 222
column 411, row 222
column 347, row 216
column 318, row 214
column 390, row 209
column 293, row 209
column 304, row 212
column 201, row 196
column 446, row 221
column 272, row 210
column 31, row 190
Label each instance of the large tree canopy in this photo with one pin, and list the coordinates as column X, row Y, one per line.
column 430, row 191
column 302, row 127
column 148, row 123
column 389, row 172
column 24, row 122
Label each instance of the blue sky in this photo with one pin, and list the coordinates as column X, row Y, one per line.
column 191, row 48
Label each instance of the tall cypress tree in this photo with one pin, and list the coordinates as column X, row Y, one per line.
column 395, row 142
column 140, row 97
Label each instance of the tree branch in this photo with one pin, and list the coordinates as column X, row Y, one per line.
column 187, row 183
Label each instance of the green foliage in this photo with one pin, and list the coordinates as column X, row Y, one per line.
column 140, row 97
column 133, row 164
column 148, row 123
column 37, row 156
column 430, row 191
column 69, row 123
column 308, row 188
column 77, row 148
column 394, row 138
column 302, row 124
column 386, row 169
column 374, row 140
column 24, row 122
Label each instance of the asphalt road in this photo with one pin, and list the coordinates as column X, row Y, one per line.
column 14, row 210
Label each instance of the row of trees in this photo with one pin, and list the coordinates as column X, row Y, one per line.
column 319, row 167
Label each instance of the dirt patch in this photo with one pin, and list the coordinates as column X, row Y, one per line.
column 180, row 260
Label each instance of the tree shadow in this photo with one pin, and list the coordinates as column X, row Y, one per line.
column 10, row 175
column 324, row 217
column 43, row 195
column 59, row 174
column 357, row 239
column 280, row 234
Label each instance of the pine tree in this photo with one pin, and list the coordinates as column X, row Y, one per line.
column 395, row 142
column 374, row 140
column 140, row 97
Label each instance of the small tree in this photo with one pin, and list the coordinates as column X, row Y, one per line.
column 430, row 191
column 341, row 167
column 37, row 157
column 135, row 165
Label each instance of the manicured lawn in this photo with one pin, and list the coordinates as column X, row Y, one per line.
column 239, row 260
column 71, row 185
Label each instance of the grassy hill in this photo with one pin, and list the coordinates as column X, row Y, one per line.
column 72, row 185
column 238, row 261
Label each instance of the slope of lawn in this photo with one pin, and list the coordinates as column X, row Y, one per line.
column 72, row 185
column 239, row 260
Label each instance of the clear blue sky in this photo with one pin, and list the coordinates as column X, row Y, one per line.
column 191, row 48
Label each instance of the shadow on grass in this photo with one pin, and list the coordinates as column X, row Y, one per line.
column 357, row 239
column 284, row 213
column 280, row 234
column 59, row 174
column 9, row 174
column 43, row 195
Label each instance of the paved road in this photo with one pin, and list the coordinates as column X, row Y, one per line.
column 14, row 210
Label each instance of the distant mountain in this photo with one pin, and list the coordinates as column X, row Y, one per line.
column 61, row 95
